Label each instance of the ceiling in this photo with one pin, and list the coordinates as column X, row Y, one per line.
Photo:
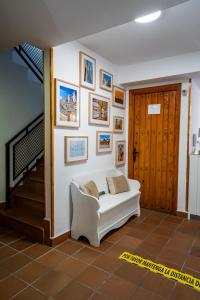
column 46, row 23
column 176, row 32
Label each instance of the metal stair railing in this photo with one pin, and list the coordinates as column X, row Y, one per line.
column 33, row 57
column 22, row 153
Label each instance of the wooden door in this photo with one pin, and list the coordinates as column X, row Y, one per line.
column 156, row 139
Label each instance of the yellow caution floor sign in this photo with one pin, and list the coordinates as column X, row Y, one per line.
column 161, row 269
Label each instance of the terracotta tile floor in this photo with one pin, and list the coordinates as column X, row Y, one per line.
column 75, row 270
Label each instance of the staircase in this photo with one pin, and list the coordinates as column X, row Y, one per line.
column 24, row 210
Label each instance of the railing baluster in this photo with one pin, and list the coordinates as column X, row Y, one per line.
column 30, row 138
column 7, row 175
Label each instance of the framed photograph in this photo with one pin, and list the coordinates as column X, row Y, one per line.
column 106, row 80
column 76, row 149
column 67, row 103
column 119, row 97
column 120, row 153
column 87, row 71
column 99, row 110
column 104, row 141
column 118, row 124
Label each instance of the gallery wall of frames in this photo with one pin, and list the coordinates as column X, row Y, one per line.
column 89, row 132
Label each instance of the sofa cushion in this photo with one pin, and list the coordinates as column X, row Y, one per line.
column 118, row 184
column 109, row 201
column 99, row 177
column 90, row 188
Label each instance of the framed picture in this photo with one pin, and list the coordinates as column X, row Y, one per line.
column 106, row 81
column 76, row 149
column 87, row 71
column 119, row 97
column 99, row 110
column 120, row 153
column 104, row 141
column 67, row 102
column 118, row 124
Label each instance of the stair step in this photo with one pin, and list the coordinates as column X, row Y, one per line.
column 30, row 196
column 30, row 202
column 35, row 178
column 38, row 172
column 23, row 221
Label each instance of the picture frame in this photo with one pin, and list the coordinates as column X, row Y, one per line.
column 119, row 97
column 76, row 149
column 67, row 104
column 118, row 124
column 87, row 71
column 120, row 153
column 106, row 80
column 104, row 142
column 99, row 110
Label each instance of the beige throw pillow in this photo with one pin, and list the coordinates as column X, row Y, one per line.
column 90, row 188
column 118, row 184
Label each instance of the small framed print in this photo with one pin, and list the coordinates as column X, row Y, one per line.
column 76, row 149
column 104, row 141
column 99, row 110
column 118, row 124
column 67, row 102
column 120, row 153
column 106, row 80
column 87, row 71
column 119, row 97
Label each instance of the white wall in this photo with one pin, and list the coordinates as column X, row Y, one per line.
column 161, row 68
column 195, row 108
column 66, row 67
column 20, row 102
column 182, row 140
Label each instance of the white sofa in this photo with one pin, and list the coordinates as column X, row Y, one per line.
column 93, row 217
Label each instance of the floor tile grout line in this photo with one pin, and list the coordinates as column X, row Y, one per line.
column 176, row 283
column 148, row 272
column 111, row 274
column 145, row 275
column 101, row 253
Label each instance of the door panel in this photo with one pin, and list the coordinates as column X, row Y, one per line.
column 156, row 138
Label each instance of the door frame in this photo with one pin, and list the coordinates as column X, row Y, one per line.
column 131, row 119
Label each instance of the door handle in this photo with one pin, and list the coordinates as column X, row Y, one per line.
column 135, row 153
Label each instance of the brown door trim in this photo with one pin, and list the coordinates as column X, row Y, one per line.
column 52, row 139
column 131, row 116
column 157, row 89
column 188, row 147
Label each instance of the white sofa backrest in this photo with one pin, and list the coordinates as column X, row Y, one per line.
column 99, row 177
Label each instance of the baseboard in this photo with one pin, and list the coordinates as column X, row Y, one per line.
column 59, row 239
column 47, row 232
column 182, row 214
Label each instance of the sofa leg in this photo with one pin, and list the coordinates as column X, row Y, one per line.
column 138, row 212
column 95, row 242
column 75, row 235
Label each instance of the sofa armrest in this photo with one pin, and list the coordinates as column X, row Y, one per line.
column 83, row 200
column 134, row 184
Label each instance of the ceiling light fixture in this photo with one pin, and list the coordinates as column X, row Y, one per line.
column 149, row 18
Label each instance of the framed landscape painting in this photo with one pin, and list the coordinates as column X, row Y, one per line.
column 76, row 149
column 67, row 102
column 106, row 81
column 120, row 152
column 87, row 71
column 118, row 124
column 104, row 141
column 119, row 97
column 99, row 110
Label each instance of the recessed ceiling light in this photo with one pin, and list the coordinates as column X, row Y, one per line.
column 149, row 18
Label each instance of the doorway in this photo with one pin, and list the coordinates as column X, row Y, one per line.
column 153, row 147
